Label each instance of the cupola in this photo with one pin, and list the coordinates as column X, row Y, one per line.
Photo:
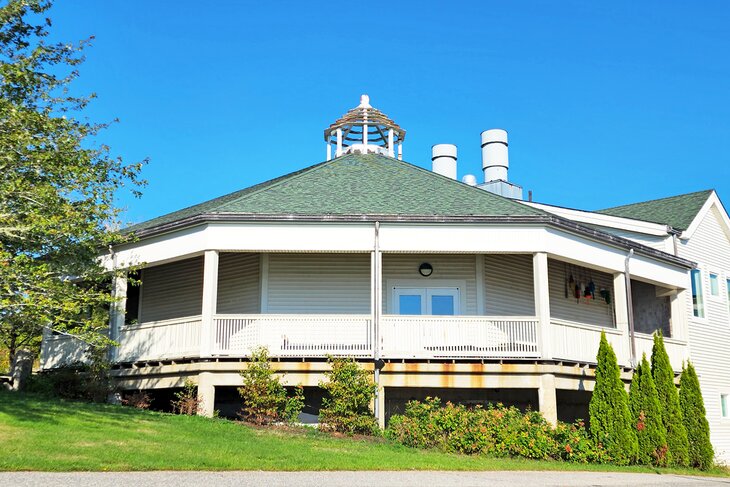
column 364, row 130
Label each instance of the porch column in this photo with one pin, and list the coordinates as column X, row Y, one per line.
column 621, row 314
column 542, row 302
column 206, row 394
column 118, row 311
column 380, row 403
column 547, row 398
column 210, row 296
column 678, row 323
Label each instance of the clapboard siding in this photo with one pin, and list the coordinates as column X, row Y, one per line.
column 172, row 290
column 709, row 339
column 238, row 283
column 319, row 283
column 590, row 312
column 445, row 267
column 508, row 285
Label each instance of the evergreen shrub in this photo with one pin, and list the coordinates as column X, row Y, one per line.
column 700, row 453
column 646, row 413
column 350, row 392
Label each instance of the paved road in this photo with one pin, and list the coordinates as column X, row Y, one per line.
column 350, row 479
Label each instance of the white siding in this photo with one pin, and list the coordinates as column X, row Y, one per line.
column 319, row 283
column 508, row 285
column 589, row 312
column 172, row 290
column 709, row 339
column 453, row 267
column 238, row 283
column 665, row 243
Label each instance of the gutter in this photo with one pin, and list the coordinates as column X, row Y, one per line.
column 543, row 219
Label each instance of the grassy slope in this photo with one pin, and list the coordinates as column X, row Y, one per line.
column 42, row 434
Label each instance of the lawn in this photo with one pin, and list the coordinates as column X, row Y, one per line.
column 53, row 435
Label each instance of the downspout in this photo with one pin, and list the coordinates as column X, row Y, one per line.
column 376, row 320
column 630, row 307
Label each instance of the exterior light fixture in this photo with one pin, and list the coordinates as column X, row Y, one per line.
column 425, row 269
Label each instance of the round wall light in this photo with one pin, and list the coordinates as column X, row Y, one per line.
column 425, row 269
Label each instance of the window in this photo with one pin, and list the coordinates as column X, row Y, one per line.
column 698, row 302
column 727, row 289
column 426, row 301
column 714, row 285
column 725, row 405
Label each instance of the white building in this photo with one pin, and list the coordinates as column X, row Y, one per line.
column 440, row 287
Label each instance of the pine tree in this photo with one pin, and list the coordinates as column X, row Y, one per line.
column 661, row 369
column 695, row 420
column 611, row 424
column 646, row 413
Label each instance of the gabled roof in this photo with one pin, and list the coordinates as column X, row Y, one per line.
column 676, row 211
column 355, row 184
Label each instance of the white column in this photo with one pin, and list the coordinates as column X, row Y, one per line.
column 479, row 274
column 118, row 311
column 678, row 324
column 547, row 398
column 338, row 151
column 621, row 314
column 380, row 399
column 210, row 296
column 391, row 149
column 542, row 302
column 365, row 138
column 329, row 151
column 400, row 151
column 206, row 394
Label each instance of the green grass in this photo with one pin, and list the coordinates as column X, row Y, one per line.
column 53, row 435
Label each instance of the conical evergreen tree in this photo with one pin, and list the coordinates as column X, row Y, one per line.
column 646, row 413
column 661, row 369
column 609, row 409
column 701, row 454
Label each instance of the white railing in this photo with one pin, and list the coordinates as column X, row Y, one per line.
column 294, row 335
column 160, row 340
column 458, row 336
column 579, row 342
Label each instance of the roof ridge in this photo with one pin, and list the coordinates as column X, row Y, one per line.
column 656, row 200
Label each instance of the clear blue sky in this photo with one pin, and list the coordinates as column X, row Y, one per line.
column 605, row 102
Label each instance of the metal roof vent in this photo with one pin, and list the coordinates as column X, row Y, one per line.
column 469, row 179
column 443, row 158
column 364, row 130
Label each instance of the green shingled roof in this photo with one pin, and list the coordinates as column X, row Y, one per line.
column 676, row 211
column 356, row 185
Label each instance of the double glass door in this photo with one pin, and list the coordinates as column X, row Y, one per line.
column 442, row 301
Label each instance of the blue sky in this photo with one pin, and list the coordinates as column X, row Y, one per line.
column 605, row 102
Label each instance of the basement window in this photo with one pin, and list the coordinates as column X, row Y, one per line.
column 698, row 302
column 714, row 285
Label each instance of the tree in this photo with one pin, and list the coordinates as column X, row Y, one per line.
column 611, row 424
column 350, row 391
column 646, row 413
column 700, row 451
column 663, row 374
column 57, row 188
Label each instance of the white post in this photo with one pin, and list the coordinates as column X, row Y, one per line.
column 206, row 394
column 400, row 151
column 391, row 149
column 329, row 151
column 621, row 312
column 365, row 138
column 210, row 296
column 338, row 151
column 547, row 398
column 118, row 311
column 678, row 322
column 542, row 302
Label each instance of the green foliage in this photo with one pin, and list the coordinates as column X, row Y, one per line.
column 611, row 424
column 494, row 430
column 186, row 401
column 350, row 391
column 82, row 381
column 701, row 454
column 663, row 374
column 646, row 413
column 264, row 397
column 57, row 188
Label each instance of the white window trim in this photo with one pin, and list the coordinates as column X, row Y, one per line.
column 426, row 282
column 725, row 394
column 705, row 292
column 719, row 296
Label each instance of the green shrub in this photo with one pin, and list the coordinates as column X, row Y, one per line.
column 611, row 425
column 350, row 392
column 646, row 413
column 671, row 415
column 265, row 399
column 700, row 451
column 80, row 381
column 577, row 445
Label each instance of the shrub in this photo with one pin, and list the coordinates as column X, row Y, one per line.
column 186, row 401
column 350, row 391
column 138, row 400
column 671, row 413
column 646, row 413
column 576, row 444
column 610, row 417
column 700, row 451
column 80, row 381
column 264, row 397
